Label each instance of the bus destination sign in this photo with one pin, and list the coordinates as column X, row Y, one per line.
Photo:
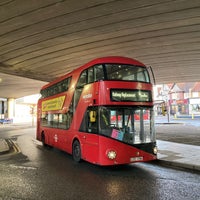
column 130, row 95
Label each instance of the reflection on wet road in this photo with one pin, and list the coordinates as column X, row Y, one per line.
column 39, row 173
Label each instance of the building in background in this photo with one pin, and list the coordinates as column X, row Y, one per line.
column 24, row 109
column 179, row 99
column 3, row 107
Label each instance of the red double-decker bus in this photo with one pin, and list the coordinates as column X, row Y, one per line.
column 101, row 112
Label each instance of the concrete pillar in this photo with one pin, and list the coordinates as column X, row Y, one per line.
column 1, row 109
column 11, row 108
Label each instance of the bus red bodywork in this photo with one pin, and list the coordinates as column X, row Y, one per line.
column 63, row 122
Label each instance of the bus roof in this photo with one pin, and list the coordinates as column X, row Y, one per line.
column 109, row 59
column 114, row 59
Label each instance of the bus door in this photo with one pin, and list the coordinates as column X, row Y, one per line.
column 89, row 135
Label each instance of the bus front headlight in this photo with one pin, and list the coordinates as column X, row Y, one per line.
column 111, row 154
column 155, row 150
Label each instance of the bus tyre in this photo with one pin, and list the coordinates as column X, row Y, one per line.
column 76, row 151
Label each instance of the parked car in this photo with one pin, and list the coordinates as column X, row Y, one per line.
column 6, row 121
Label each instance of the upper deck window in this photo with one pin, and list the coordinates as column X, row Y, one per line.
column 126, row 72
column 57, row 88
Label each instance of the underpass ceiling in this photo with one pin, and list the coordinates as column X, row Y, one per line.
column 41, row 40
column 16, row 87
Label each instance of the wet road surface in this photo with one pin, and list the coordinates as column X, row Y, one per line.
column 185, row 131
column 39, row 173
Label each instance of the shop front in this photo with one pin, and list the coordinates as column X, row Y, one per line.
column 194, row 107
column 179, row 107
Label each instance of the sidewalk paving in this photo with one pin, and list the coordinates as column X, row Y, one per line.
column 170, row 153
column 179, row 155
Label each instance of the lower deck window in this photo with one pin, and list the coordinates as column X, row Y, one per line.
column 62, row 121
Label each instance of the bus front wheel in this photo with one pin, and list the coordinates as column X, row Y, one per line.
column 76, row 151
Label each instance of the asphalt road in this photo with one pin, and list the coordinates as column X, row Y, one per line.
column 39, row 173
column 186, row 131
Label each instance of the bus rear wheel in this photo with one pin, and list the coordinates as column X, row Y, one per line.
column 76, row 151
column 43, row 140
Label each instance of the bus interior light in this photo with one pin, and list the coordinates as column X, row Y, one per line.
column 111, row 154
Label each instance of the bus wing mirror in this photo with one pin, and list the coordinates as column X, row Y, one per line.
column 152, row 74
column 93, row 115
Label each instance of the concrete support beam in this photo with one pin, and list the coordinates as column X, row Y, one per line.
column 11, row 108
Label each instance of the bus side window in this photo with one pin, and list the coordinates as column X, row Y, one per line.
column 56, row 89
column 50, row 120
column 65, row 84
column 90, row 122
column 82, row 80
column 44, row 119
column 65, row 120
column 98, row 73
column 84, row 123
column 91, row 75
column 55, row 120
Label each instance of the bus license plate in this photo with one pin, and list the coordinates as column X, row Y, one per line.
column 133, row 159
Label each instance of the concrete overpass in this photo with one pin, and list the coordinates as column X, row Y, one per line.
column 41, row 40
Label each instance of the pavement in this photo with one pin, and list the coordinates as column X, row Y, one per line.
column 169, row 153
column 179, row 155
